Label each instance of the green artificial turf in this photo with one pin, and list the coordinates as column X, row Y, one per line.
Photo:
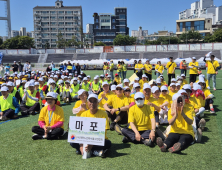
column 19, row 151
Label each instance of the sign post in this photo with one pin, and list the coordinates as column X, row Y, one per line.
column 86, row 131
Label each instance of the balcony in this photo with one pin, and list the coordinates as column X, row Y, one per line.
column 37, row 19
column 45, row 14
column 53, row 19
column 60, row 13
column 69, row 25
column 45, row 19
column 53, row 13
column 69, row 30
column 45, row 25
column 61, row 19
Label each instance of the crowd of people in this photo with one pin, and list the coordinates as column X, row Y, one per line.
column 133, row 109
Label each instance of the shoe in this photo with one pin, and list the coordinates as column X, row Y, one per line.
column 112, row 126
column 36, row 137
column 161, row 120
column 212, row 110
column 118, row 129
column 4, row 118
column 24, row 113
column 215, row 89
column 125, row 139
column 64, row 99
column 31, row 113
column 67, row 100
column 202, row 124
column 199, row 135
column 201, row 115
column 0, row 117
column 100, row 153
column 147, row 142
column 78, row 152
column 159, row 142
column 176, row 148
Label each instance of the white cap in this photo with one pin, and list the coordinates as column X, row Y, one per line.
column 208, row 54
column 70, row 74
column 202, row 75
column 137, row 79
column 60, row 81
column 67, row 81
column 93, row 96
column 163, row 88
column 55, row 76
column 158, row 81
column 201, row 79
column 101, row 75
column 80, row 92
column 85, row 79
column 178, row 84
column 75, row 79
column 52, row 81
column 14, row 61
column 105, row 83
column 16, row 72
column 144, row 75
column 126, row 81
column 146, row 86
column 31, row 84
column 41, row 79
column 187, row 87
column 51, row 76
column 197, row 87
column 119, row 85
column 126, row 87
column 136, row 85
column 89, row 76
column 109, row 76
column 173, row 79
column 183, row 75
column 175, row 96
column 4, row 88
column 96, row 77
column 194, row 58
column 182, row 91
column 79, row 76
column 154, row 89
column 10, row 84
column 172, row 84
column 81, row 72
column 36, row 83
column 178, row 77
column 113, row 87
column 139, row 95
column 51, row 94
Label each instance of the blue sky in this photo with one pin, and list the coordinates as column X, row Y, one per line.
column 153, row 15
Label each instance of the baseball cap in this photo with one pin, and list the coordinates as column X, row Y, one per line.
column 154, row 89
column 80, row 92
column 4, row 88
column 93, row 96
column 136, row 85
column 175, row 96
column 172, row 84
column 120, row 86
column 139, row 95
column 163, row 88
column 51, row 95
column 146, row 86
column 113, row 87
column 126, row 81
column 187, row 87
column 105, row 83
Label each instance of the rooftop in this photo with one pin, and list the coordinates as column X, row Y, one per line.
column 64, row 7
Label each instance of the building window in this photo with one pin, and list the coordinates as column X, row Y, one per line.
column 117, row 10
column 53, row 29
column 122, row 16
column 122, row 23
column 124, row 10
column 105, row 27
column 181, row 27
column 97, row 27
column 61, row 12
column 121, row 10
column 114, row 20
column 97, row 20
column 76, row 12
column 188, row 26
column 198, row 25
column 105, row 20
column 114, row 27
column 69, row 12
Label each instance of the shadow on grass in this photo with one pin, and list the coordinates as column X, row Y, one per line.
column 204, row 140
column 216, row 108
column 112, row 152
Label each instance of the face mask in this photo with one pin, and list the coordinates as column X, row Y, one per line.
column 180, row 81
column 139, row 102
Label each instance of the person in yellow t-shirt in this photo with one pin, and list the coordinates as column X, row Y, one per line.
column 181, row 132
column 127, row 92
column 178, row 86
column 193, row 70
column 159, row 69
column 206, row 81
column 119, row 69
column 163, row 82
column 172, row 90
column 148, row 69
column 124, row 70
column 212, row 69
column 105, row 95
column 184, row 79
column 142, row 127
column 143, row 80
column 126, row 82
column 111, row 68
column 117, row 80
column 136, row 88
column 164, row 94
column 94, row 112
column 81, row 105
column 139, row 69
column 117, row 107
column 51, row 120
column 171, row 66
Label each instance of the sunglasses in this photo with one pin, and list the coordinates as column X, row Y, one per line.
column 164, row 91
column 179, row 101
column 119, row 89
column 127, row 90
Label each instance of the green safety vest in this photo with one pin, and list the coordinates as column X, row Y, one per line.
column 85, row 86
column 30, row 102
column 21, row 91
column 75, row 88
column 13, row 93
column 95, row 86
column 7, row 103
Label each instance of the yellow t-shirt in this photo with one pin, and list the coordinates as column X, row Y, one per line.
column 118, row 80
column 141, row 117
column 200, row 101
column 103, row 101
column 171, row 68
column 141, row 82
column 148, row 67
column 105, row 67
column 172, row 93
column 163, row 83
column 157, row 102
column 58, row 116
column 118, row 102
column 168, row 98
column 211, row 66
column 194, row 70
column 206, row 92
column 159, row 68
column 184, row 82
column 140, row 66
column 193, row 102
column 99, row 114
column 180, row 125
column 206, row 81
column 78, row 104
column 130, row 99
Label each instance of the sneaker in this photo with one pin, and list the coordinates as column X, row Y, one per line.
column 64, row 99
column 176, row 148
column 147, row 142
column 161, row 120
column 125, row 139
column 24, row 113
column 202, row 124
column 36, row 137
column 215, row 89
column 100, row 153
column 112, row 126
column 199, row 135
column 31, row 113
column 212, row 110
column 118, row 129
column 159, row 142
column 0, row 117
column 4, row 118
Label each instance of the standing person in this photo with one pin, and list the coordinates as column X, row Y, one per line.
column 61, row 67
column 73, row 68
column 2, row 68
column 20, row 66
column 105, row 68
column 7, row 69
column 124, row 70
column 183, row 67
column 171, row 66
column 134, row 64
column 25, row 68
column 119, row 69
column 69, row 67
column 213, row 67
column 52, row 65
column 193, row 70
column 29, row 68
column 78, row 69
column 159, row 69
column 111, row 68
column 139, row 69
column 15, row 67
column 148, row 69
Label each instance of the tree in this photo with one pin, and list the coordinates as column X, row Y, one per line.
column 124, row 40
column 73, row 42
column 99, row 44
column 47, row 45
column 191, row 36
column 1, row 41
column 19, row 42
column 163, row 40
column 61, row 43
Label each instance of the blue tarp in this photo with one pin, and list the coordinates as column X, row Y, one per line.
column 127, row 59
column 1, row 56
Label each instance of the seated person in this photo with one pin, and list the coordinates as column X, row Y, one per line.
column 94, row 112
column 136, row 88
column 142, row 123
column 81, row 105
column 113, row 88
column 95, row 86
column 75, row 88
column 117, row 80
column 178, row 86
column 181, row 131
column 117, row 107
column 172, row 89
column 14, row 92
column 9, row 107
column 67, row 91
column 184, row 81
column 85, row 85
column 30, row 100
column 127, row 92
column 51, row 120
column 143, row 80
column 163, row 82
column 126, row 82
column 43, row 86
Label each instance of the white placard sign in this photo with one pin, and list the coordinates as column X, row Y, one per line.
column 86, row 130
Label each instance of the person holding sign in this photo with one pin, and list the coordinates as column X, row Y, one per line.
column 94, row 112
column 51, row 120
column 171, row 66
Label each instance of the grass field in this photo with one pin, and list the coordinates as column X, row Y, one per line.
column 19, row 151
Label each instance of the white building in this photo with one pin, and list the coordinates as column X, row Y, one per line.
column 203, row 9
column 14, row 33
column 31, row 34
column 139, row 33
column 22, row 31
column 89, row 28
